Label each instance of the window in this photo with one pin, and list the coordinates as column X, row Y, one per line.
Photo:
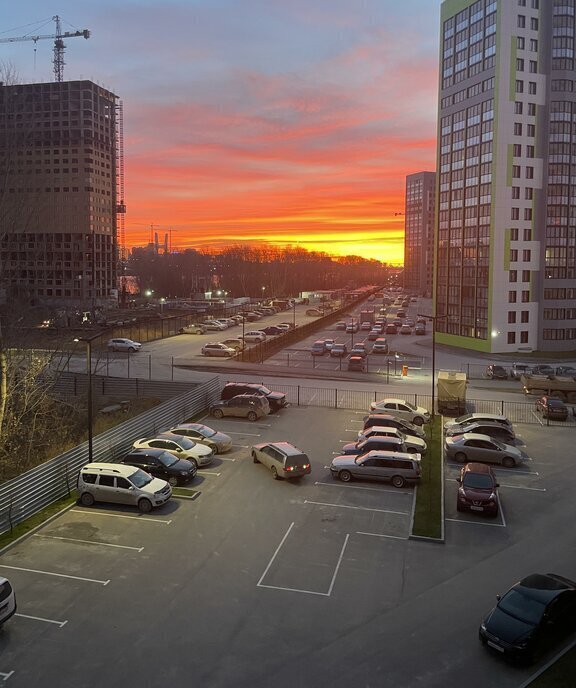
column 517, row 129
column 518, row 107
column 531, row 130
column 516, row 171
column 519, row 64
column 526, row 296
column 532, row 88
column 513, row 276
column 527, row 234
column 532, row 109
column 529, row 173
column 515, row 213
column 533, row 67
column 511, row 317
column 535, row 4
column 89, row 478
column 511, row 337
column 519, row 86
column 534, row 24
column 514, row 234
column 521, row 21
column 517, row 150
column 520, row 43
column 534, row 45
column 123, row 483
column 522, row 3
column 513, row 255
column 525, row 316
column 525, row 275
column 526, row 255
column 515, row 192
column 527, row 214
column 524, row 337
column 107, row 480
column 529, row 151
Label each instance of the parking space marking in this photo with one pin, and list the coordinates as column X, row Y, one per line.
column 358, row 508
column 6, row 676
column 305, row 592
column 88, row 542
column 513, row 487
column 360, row 487
column 246, row 434
column 392, row 537
column 511, row 471
column 135, row 518
column 39, row 618
column 210, row 473
column 51, row 573
column 476, row 523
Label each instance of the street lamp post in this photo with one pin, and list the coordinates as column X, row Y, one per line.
column 433, row 319
column 294, row 315
column 88, row 342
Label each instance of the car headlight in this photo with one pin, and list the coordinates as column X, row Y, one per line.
column 483, row 627
column 183, row 473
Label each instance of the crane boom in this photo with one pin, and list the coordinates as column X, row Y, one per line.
column 59, row 45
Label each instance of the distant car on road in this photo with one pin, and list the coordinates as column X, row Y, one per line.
column 356, row 363
column 273, row 330
column 122, row 344
column 338, row 350
column 496, row 372
column 405, row 329
column 352, row 327
column 359, row 349
column 341, row 325
column 391, row 329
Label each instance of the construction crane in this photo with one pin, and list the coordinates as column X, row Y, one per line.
column 59, row 45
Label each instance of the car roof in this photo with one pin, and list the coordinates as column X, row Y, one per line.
column 285, row 447
column 119, row 468
column 383, row 454
column 544, row 587
column 472, row 436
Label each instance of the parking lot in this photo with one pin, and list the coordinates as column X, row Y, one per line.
column 254, row 582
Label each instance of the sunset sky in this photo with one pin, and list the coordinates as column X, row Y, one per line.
column 292, row 121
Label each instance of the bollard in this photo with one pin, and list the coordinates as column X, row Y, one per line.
column 404, row 371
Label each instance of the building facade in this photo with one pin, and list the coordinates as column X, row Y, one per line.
column 505, row 276
column 58, row 196
column 419, row 216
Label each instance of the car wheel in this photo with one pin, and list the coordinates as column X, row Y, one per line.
column 217, row 413
column 274, row 472
column 508, row 462
column 345, row 476
column 194, row 462
column 254, row 459
column 86, row 499
column 412, row 450
column 398, row 481
column 460, row 457
column 418, row 420
column 252, row 416
column 145, row 506
column 173, row 481
column 132, row 349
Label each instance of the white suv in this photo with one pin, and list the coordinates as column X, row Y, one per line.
column 7, row 600
column 120, row 484
column 122, row 344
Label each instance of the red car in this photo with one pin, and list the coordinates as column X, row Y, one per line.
column 478, row 491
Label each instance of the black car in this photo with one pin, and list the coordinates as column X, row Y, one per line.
column 542, row 370
column 494, row 430
column 552, row 408
column 273, row 330
column 531, row 617
column 566, row 371
column 496, row 372
column 162, row 464
column 277, row 400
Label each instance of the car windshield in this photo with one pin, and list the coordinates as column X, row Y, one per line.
column 463, row 419
column 167, row 459
column 556, row 403
column 185, row 442
column 205, row 431
column 478, row 481
column 522, row 607
column 410, row 406
column 140, row 478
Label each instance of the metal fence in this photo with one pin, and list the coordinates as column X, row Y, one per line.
column 35, row 489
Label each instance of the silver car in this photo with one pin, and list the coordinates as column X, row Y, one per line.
column 473, row 447
column 478, row 418
column 181, row 447
column 401, row 409
column 218, row 349
column 414, row 445
column 394, row 467
column 123, row 344
column 218, row 441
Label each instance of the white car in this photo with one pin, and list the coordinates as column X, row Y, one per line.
column 254, row 336
column 202, row 434
column 414, row 444
column 121, row 344
column 218, row 349
column 7, row 600
column 401, row 409
column 193, row 329
column 181, row 447
column 214, row 326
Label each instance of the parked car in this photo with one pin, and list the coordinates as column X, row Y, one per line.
column 359, row 349
column 504, row 433
column 273, row 330
column 217, row 349
column 566, row 371
column 519, row 369
column 356, row 363
column 161, row 464
column 496, row 372
column 542, row 370
column 339, row 349
column 254, row 336
column 7, row 600
column 318, row 348
column 341, row 325
column 251, row 316
column 374, row 420
column 380, row 346
column 482, row 448
column 282, row 458
column 119, row 484
column 478, row 418
column 414, row 445
column 391, row 329
column 393, row 467
column 382, row 443
column 403, row 409
column 214, row 326
column 534, row 615
column 122, row 344
column 314, row 312
column 195, row 328
column 478, row 491
column 218, row 441
column 552, row 408
column 276, row 400
column 405, row 329
column 235, row 343
column 251, row 406
column 179, row 446
column 328, row 343
column 352, row 327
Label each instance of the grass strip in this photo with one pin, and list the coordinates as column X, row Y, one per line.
column 428, row 508
column 34, row 521
column 562, row 674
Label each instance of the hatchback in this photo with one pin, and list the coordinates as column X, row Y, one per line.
column 318, row 348
column 405, row 329
column 218, row 441
column 552, row 408
column 496, row 372
column 282, row 458
column 478, row 491
column 403, row 409
column 495, row 430
column 236, row 344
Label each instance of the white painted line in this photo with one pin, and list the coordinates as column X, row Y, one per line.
column 338, row 565
column 521, row 487
column 358, row 508
column 5, row 676
column 135, row 518
column 354, row 431
column 58, row 575
column 360, row 422
column 475, row 523
column 502, row 514
column 392, row 537
column 548, row 664
column 275, row 554
column 306, row 592
column 39, row 618
column 245, row 434
column 209, row 473
column 88, row 542
column 347, row 486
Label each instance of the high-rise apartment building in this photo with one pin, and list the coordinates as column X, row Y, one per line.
column 505, row 276
column 58, row 192
column 419, row 232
